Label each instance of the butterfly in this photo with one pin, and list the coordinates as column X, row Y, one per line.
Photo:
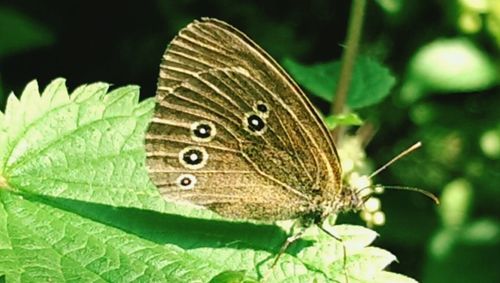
column 233, row 132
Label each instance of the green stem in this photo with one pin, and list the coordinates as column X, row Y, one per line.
column 349, row 56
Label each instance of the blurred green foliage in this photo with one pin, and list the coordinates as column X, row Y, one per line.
column 370, row 82
column 449, row 66
column 20, row 33
column 444, row 55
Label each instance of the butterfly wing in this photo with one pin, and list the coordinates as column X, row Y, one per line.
column 232, row 132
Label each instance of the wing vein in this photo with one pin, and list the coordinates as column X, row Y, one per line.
column 194, row 113
column 300, row 127
column 190, row 142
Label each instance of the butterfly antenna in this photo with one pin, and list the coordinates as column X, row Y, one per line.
column 399, row 156
column 424, row 192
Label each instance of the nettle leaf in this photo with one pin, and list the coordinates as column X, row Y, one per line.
column 47, row 244
column 351, row 260
column 232, row 277
column 76, row 204
column 371, row 81
column 87, row 146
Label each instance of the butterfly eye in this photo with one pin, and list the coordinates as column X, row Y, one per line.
column 186, row 181
column 193, row 157
column 255, row 123
column 203, row 131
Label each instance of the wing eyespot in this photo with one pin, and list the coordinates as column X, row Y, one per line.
column 186, row 181
column 254, row 123
column 193, row 157
column 262, row 109
column 203, row 131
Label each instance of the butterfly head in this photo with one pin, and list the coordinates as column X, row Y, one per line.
column 349, row 200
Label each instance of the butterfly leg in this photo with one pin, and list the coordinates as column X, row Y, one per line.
column 344, row 250
column 287, row 243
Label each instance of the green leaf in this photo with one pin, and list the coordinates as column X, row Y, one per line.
column 4, row 234
column 47, row 244
column 361, row 263
column 371, row 82
column 351, row 119
column 232, row 277
column 214, row 259
column 319, row 79
column 74, row 191
column 87, row 146
column 258, row 264
column 19, row 33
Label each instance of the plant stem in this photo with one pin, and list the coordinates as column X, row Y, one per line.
column 348, row 57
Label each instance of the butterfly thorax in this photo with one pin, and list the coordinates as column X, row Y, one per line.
column 350, row 200
column 321, row 207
